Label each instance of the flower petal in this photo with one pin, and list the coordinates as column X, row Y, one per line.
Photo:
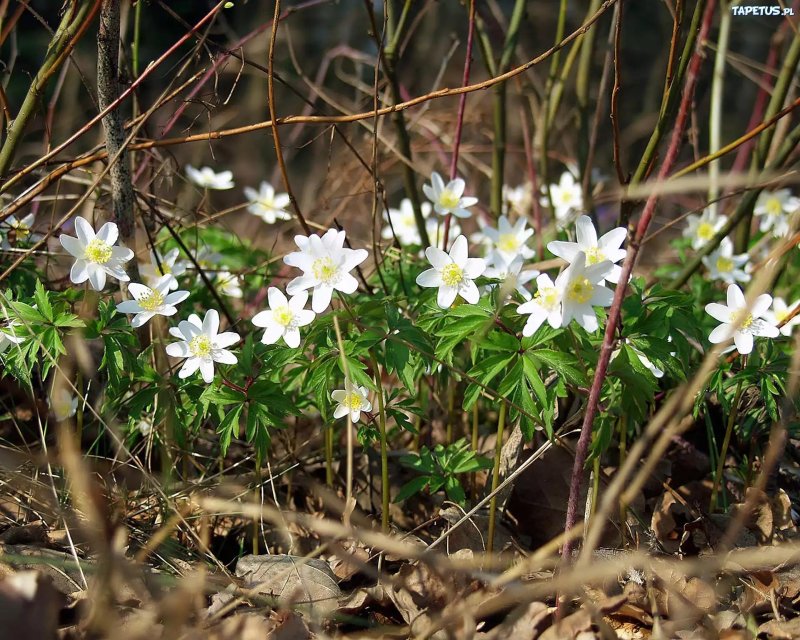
column 585, row 232
column 211, row 323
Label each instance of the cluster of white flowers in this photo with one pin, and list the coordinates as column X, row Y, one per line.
column 580, row 287
column 566, row 198
column 775, row 209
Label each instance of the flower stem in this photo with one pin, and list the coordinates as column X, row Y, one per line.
column 498, row 448
column 723, row 452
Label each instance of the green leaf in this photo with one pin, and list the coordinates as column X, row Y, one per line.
column 226, row 428
column 43, row 301
column 410, row 488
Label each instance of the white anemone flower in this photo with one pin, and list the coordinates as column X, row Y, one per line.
column 448, row 198
column 19, row 228
column 582, row 290
column 703, row 227
column 163, row 265
column 740, row 322
column 352, row 399
column 510, row 273
column 545, row 305
column 517, row 199
column 608, row 247
column 95, row 254
column 435, row 229
column 266, row 204
column 229, row 284
column 8, row 335
column 779, row 312
column 404, row 223
column 63, row 404
column 202, row 345
column 774, row 209
column 207, row 178
column 453, row 273
column 284, row 317
column 567, row 198
column 723, row 265
column 510, row 240
column 326, row 266
column 149, row 302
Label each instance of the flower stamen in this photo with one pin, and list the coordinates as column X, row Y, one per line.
column 452, row 275
column 97, row 251
column 200, row 346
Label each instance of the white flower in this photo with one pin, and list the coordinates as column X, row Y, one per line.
column 284, row 318
column 517, row 199
column 545, row 305
column 567, row 197
column 145, row 426
column 509, row 272
column 657, row 373
column 608, row 247
column 65, row 405
column 453, row 273
column 207, row 258
column 435, row 229
column 21, row 230
column 95, row 254
column 404, row 223
column 326, row 267
column 149, row 302
column 229, row 284
column 8, row 336
column 448, row 198
column 352, row 399
column 162, row 265
column 703, row 227
column 779, row 312
column 510, row 241
column 266, row 204
column 581, row 287
column 739, row 322
column 202, row 345
column 774, row 208
column 207, row 178
column 723, row 265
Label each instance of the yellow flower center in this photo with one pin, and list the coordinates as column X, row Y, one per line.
column 352, row 401
column 780, row 316
column 724, row 265
column 200, row 346
column 705, row 231
column 448, row 199
column 151, row 301
column 547, row 297
column 452, row 275
column 565, row 197
column 267, row 203
column 324, row 270
column 21, row 230
column 594, row 255
column 746, row 322
column 165, row 269
column 283, row 315
column 508, row 242
column 580, row 290
column 97, row 251
column 774, row 207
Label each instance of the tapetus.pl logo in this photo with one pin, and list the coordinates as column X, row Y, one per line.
column 757, row 10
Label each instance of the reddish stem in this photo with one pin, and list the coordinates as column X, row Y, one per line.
column 616, row 306
column 462, row 104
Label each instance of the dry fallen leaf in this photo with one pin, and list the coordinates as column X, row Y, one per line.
column 292, row 580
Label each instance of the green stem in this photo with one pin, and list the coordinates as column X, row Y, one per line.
column 62, row 43
column 329, row 456
column 499, row 108
column 257, row 499
column 389, row 56
column 671, row 98
column 715, row 115
column 582, row 93
column 137, row 19
column 725, row 443
column 498, row 448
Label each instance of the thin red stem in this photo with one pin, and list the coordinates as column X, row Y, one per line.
column 582, row 448
column 462, row 105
